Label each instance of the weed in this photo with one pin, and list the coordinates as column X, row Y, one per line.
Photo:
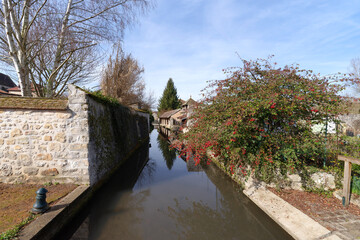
column 12, row 233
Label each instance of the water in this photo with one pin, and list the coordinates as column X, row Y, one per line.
column 160, row 196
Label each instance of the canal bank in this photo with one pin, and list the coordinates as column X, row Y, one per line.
column 292, row 220
column 172, row 199
column 163, row 169
column 52, row 223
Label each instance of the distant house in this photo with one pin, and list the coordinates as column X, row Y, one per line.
column 189, row 104
column 166, row 120
column 5, row 84
column 156, row 117
column 177, row 119
column 17, row 91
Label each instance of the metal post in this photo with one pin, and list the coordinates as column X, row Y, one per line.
column 40, row 205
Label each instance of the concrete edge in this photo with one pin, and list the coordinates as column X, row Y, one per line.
column 57, row 217
column 292, row 220
column 296, row 223
column 52, row 221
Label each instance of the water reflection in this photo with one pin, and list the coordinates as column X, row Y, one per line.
column 169, row 154
column 178, row 204
column 196, row 220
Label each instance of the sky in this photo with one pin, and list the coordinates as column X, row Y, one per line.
column 191, row 41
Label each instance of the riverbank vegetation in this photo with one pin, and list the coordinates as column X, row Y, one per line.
column 263, row 118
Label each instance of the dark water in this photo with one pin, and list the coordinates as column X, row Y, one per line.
column 160, row 196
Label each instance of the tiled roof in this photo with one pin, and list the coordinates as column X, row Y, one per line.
column 18, row 89
column 6, row 81
column 168, row 114
column 4, row 93
column 190, row 101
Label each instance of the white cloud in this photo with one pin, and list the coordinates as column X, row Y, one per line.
column 191, row 41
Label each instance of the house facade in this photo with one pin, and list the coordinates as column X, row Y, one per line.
column 177, row 120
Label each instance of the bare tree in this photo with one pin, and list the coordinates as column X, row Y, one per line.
column 122, row 79
column 354, row 69
column 51, row 42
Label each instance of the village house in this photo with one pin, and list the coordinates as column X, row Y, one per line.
column 17, row 91
column 165, row 119
column 175, row 120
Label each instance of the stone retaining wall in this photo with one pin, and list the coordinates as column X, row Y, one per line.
column 317, row 180
column 79, row 143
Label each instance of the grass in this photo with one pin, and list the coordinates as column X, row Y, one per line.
column 12, row 233
column 16, row 200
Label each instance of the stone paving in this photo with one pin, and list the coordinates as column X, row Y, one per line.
column 327, row 211
column 340, row 222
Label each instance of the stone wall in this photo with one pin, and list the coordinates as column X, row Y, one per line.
column 318, row 180
column 350, row 124
column 79, row 142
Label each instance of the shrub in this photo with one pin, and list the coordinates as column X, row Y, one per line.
column 262, row 116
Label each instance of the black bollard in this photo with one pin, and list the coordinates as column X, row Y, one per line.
column 40, row 205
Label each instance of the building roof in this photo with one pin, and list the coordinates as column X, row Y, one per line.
column 179, row 115
column 15, row 89
column 6, row 81
column 18, row 89
column 190, row 101
column 5, row 93
column 168, row 114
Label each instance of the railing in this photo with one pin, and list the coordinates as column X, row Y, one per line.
column 347, row 177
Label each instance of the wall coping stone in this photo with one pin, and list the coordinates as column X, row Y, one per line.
column 33, row 103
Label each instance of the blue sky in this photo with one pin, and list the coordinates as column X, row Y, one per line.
column 191, row 41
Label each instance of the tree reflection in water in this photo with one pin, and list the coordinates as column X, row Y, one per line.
column 196, row 220
column 147, row 174
column 168, row 153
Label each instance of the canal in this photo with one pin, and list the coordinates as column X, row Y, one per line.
column 157, row 195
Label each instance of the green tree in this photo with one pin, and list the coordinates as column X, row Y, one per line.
column 169, row 99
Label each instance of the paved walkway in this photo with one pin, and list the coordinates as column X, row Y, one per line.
column 340, row 222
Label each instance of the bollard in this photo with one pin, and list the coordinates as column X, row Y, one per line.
column 40, row 205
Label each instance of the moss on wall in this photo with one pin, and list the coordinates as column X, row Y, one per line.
column 33, row 103
column 114, row 131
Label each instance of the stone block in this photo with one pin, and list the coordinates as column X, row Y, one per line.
column 31, row 171
column 16, row 132
column 42, row 164
column 78, row 147
column 44, row 156
column 48, row 126
column 23, row 141
column 55, row 147
column 31, row 132
column 1, row 141
column 11, row 155
column 50, row 172
column 6, row 170
column 60, row 137
column 323, row 180
column 25, row 162
column 24, row 157
column 25, row 126
column 10, row 141
column 42, row 148
column 47, row 138
column 63, row 115
column 17, row 147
